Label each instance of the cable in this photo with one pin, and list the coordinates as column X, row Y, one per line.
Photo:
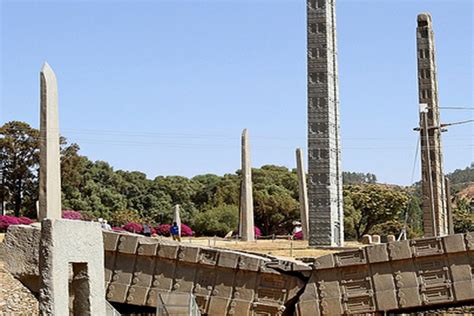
column 456, row 108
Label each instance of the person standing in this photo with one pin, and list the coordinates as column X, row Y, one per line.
column 174, row 231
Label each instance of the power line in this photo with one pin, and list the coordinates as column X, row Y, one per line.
column 456, row 108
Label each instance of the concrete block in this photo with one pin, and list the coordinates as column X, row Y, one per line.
column 376, row 239
column 391, row 238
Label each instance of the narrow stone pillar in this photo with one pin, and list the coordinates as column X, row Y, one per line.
column 65, row 245
column 49, row 173
column 177, row 217
column 303, row 192
column 435, row 221
column 326, row 215
column 246, row 199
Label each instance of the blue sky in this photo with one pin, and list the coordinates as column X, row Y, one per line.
column 166, row 87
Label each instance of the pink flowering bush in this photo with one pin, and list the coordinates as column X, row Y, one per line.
column 6, row 221
column 118, row 229
column 298, row 235
column 186, row 230
column 258, row 232
column 163, row 230
column 70, row 214
column 25, row 220
column 133, row 227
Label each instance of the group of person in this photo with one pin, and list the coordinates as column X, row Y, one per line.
column 104, row 224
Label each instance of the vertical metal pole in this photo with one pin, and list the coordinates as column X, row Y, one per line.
column 449, row 207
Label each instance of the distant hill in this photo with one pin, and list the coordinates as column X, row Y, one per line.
column 461, row 178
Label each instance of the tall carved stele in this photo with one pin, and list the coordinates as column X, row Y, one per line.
column 50, row 175
column 302, row 192
column 246, row 199
column 435, row 219
column 326, row 224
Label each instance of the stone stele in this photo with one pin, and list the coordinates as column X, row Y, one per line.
column 246, row 199
column 326, row 222
column 49, row 173
column 303, row 192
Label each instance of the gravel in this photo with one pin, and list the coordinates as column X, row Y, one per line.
column 15, row 298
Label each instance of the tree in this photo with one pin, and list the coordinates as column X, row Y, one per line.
column 276, row 205
column 463, row 218
column 20, row 159
column 217, row 221
column 374, row 204
column 358, row 178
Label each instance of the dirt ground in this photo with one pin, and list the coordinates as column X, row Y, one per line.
column 278, row 247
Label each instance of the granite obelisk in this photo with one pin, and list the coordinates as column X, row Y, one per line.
column 67, row 249
column 177, row 217
column 303, row 192
column 326, row 223
column 435, row 219
column 246, row 198
column 49, row 171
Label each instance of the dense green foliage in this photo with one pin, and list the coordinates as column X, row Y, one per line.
column 209, row 203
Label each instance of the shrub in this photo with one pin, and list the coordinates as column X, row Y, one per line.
column 133, row 227
column 118, row 229
column 163, row 230
column 6, row 221
column 186, row 230
column 258, row 232
column 217, row 221
column 298, row 235
column 25, row 220
column 70, row 214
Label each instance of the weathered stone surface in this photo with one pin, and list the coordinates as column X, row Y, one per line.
column 435, row 218
column 303, row 193
column 366, row 239
column 21, row 252
column 391, row 277
column 49, row 173
column 326, row 224
column 386, row 277
column 71, row 246
column 391, row 238
column 376, row 239
column 246, row 195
